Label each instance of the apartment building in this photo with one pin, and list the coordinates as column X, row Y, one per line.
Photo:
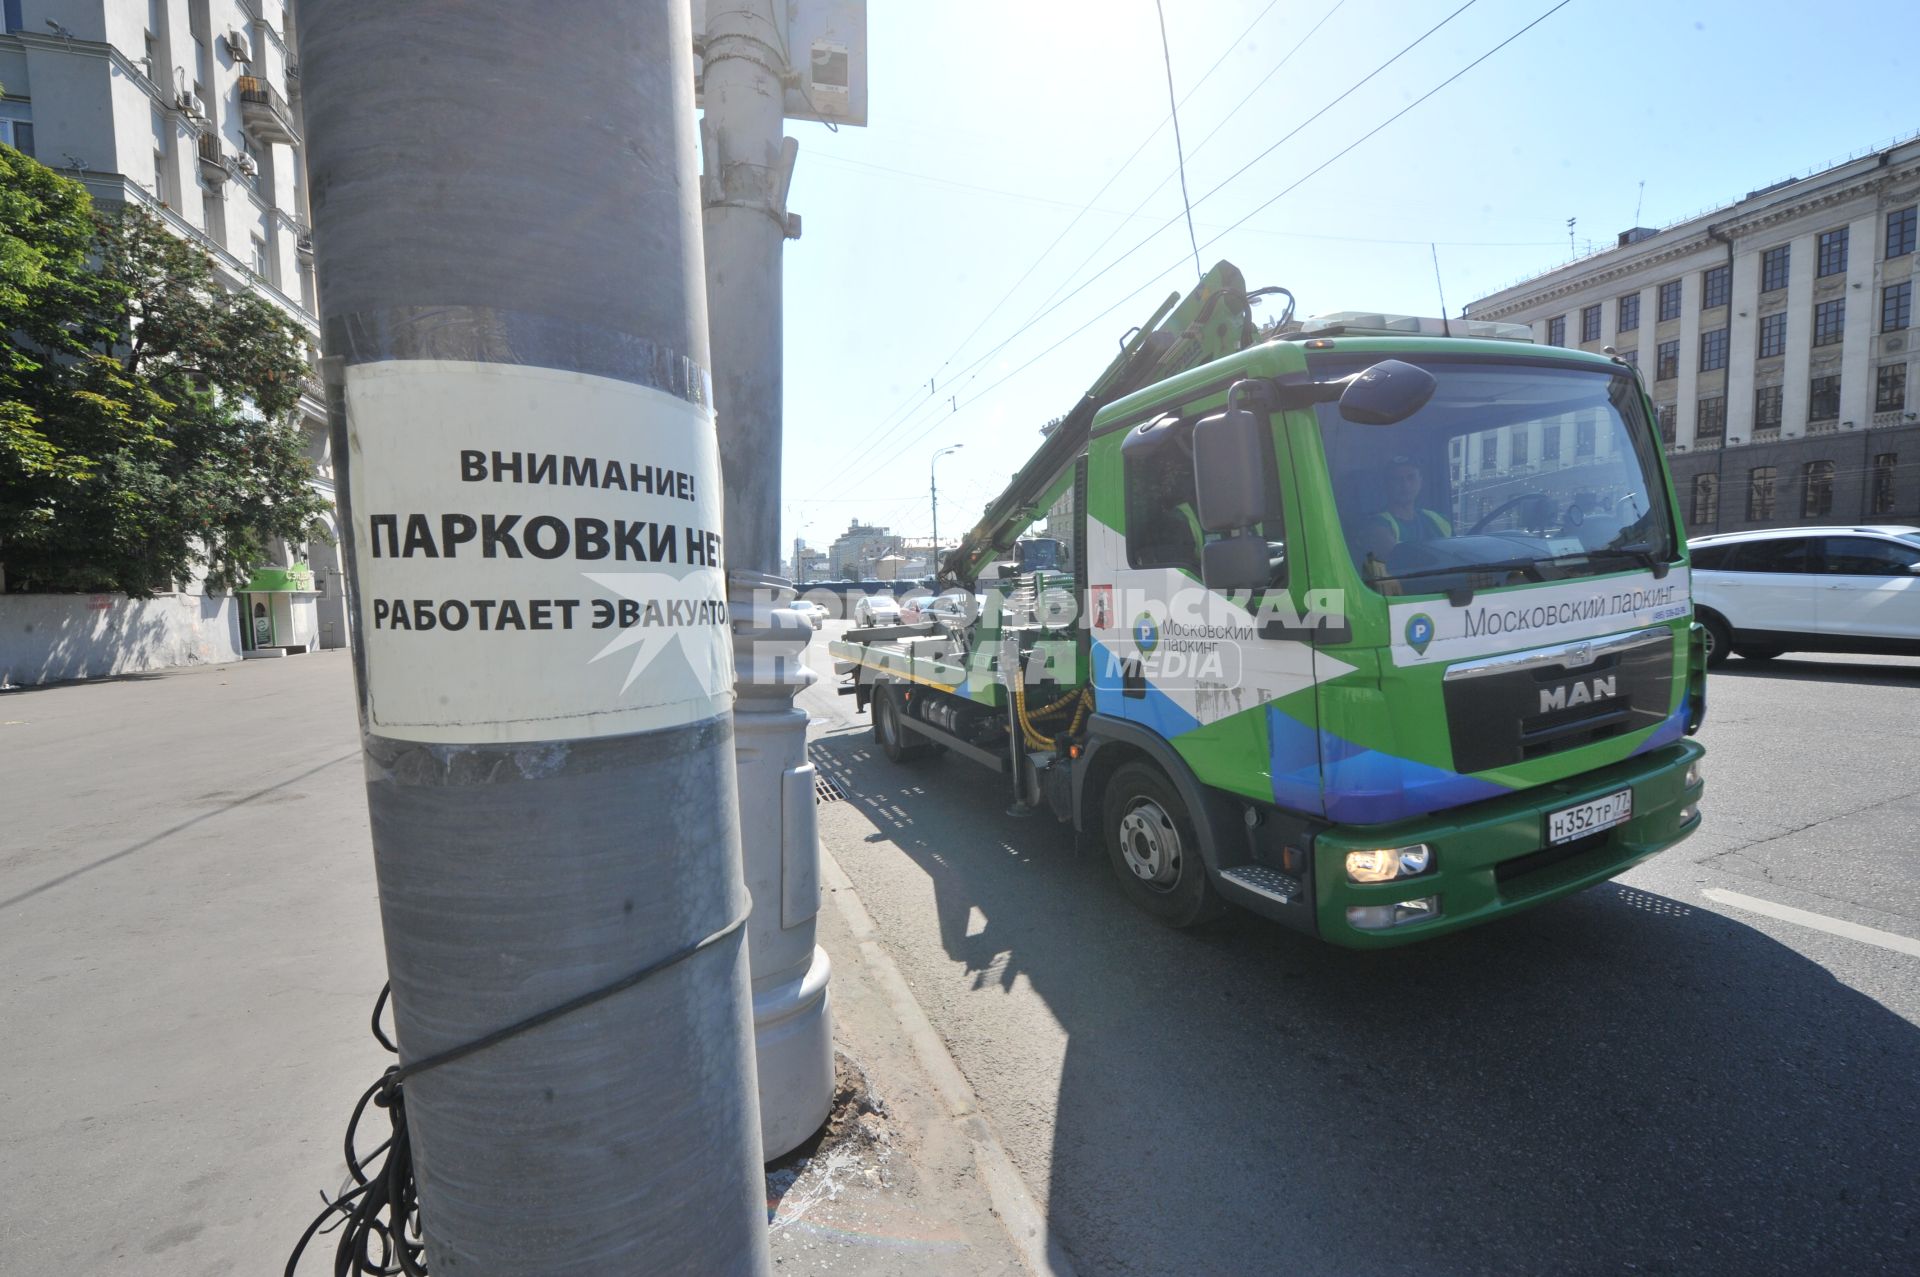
column 191, row 110
column 1775, row 336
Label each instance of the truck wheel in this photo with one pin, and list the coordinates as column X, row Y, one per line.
column 898, row 744
column 1154, row 849
column 1719, row 639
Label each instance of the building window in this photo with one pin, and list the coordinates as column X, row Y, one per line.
column 1629, row 313
column 14, row 21
column 1670, row 300
column 1710, row 419
column 1833, row 253
column 1766, row 408
column 1630, row 357
column 1669, row 419
column 1896, row 306
column 259, row 256
column 215, row 206
column 1557, row 331
column 1518, row 447
column 1900, row 232
column 1550, row 443
column 1817, row 495
column 1773, row 335
column 1824, row 402
column 1830, row 322
column 1489, row 451
column 1590, row 324
column 17, row 134
column 1773, row 268
column 1583, row 439
column 1666, row 363
column 1760, row 493
column 1890, row 388
column 1716, row 287
column 1713, row 350
column 1883, row 465
column 1706, row 500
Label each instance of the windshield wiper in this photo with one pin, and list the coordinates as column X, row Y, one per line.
column 1461, row 595
column 1499, row 565
column 1641, row 554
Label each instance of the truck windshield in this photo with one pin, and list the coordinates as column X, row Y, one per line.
column 1513, row 472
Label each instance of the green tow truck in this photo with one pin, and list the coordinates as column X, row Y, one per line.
column 1379, row 628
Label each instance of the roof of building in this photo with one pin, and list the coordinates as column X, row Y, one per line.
column 1641, row 246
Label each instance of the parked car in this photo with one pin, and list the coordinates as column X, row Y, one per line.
column 814, row 613
column 955, row 607
column 1839, row 589
column 876, row 609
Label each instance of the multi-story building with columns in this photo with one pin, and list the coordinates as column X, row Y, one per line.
column 1775, row 338
column 191, row 110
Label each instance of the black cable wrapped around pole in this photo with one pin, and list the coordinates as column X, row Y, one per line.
column 506, row 224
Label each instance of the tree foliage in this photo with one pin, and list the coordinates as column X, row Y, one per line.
column 149, row 419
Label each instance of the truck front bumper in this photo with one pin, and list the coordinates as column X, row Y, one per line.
column 1493, row 858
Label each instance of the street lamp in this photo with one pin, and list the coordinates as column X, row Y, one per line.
column 933, row 492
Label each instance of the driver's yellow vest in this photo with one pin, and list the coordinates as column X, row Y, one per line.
column 1440, row 525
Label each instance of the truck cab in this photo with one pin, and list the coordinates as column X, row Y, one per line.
column 1381, row 631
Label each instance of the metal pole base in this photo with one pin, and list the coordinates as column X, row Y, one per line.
column 780, row 848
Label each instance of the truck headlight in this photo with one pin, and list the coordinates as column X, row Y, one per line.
column 1381, row 917
column 1694, row 772
column 1384, row 864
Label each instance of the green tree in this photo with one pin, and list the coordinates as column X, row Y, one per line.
column 149, row 420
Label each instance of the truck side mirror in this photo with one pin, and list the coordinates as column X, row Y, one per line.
column 1230, row 468
column 1387, row 393
column 1235, row 563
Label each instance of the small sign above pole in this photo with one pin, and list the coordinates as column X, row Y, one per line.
column 826, row 54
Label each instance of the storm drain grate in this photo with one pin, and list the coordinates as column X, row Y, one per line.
column 825, row 791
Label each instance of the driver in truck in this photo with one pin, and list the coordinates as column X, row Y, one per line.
column 1403, row 519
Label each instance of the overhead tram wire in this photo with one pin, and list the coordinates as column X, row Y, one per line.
column 1179, row 148
column 1090, row 280
column 913, row 399
column 1341, row 153
column 1211, row 134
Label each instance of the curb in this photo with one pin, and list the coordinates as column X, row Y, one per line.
column 1019, row 1213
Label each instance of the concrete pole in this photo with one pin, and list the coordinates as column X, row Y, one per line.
column 512, row 298
column 743, row 201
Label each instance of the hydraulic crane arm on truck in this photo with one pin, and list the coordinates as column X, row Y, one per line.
column 1211, row 321
column 1380, row 629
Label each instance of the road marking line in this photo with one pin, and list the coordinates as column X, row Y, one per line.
column 1819, row 922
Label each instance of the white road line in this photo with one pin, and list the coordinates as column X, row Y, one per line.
column 1819, row 922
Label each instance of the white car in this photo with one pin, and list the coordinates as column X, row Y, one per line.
column 815, row 614
column 876, row 609
column 1837, row 589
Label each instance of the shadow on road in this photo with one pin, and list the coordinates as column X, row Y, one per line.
column 1614, row 1082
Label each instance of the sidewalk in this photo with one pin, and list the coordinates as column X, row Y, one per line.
column 189, row 947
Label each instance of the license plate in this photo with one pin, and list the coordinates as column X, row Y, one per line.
column 1590, row 817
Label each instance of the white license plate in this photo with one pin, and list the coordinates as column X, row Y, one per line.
column 1602, row 813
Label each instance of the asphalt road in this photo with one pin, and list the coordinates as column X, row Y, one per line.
column 1658, row 1075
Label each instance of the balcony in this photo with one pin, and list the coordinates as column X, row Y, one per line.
column 264, row 113
column 213, row 158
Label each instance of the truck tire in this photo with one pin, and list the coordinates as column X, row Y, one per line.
column 1153, row 847
column 1719, row 638
column 895, row 741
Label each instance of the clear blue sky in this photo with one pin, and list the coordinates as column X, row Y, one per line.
column 978, row 195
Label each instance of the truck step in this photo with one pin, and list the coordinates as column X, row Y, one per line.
column 1263, row 881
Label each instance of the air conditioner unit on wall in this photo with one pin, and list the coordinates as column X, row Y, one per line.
column 237, row 47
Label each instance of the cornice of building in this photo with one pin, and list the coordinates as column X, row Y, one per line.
column 1744, row 219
